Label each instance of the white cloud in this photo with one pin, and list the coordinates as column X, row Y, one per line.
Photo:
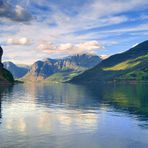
column 89, row 45
column 68, row 48
column 65, row 37
column 20, row 41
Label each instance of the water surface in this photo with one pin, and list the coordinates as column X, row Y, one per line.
column 74, row 116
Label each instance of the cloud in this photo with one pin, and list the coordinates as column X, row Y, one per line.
column 142, row 27
column 69, row 28
column 20, row 41
column 68, row 48
column 89, row 45
column 100, row 14
column 14, row 13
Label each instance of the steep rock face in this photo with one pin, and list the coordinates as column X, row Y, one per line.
column 5, row 76
column 85, row 61
column 1, row 53
column 77, row 63
column 129, row 65
column 18, row 71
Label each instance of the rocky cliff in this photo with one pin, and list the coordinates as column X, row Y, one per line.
column 65, row 68
column 5, row 76
column 1, row 53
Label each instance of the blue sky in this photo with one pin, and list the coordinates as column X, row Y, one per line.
column 37, row 29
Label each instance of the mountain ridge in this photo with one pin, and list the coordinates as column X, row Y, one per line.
column 17, row 71
column 114, row 67
column 42, row 69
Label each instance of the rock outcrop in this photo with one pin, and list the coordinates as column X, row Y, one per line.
column 5, row 76
column 1, row 53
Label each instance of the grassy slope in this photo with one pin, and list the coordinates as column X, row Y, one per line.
column 136, row 69
column 132, row 64
column 139, row 71
column 61, row 77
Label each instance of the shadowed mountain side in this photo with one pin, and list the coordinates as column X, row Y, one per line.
column 5, row 76
column 129, row 65
column 0, row 106
column 18, row 71
column 61, row 69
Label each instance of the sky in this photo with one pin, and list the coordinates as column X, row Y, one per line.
column 32, row 30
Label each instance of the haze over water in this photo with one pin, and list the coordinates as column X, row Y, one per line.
column 74, row 116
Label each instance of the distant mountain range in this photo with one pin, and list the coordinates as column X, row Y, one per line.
column 54, row 69
column 82, row 68
column 129, row 65
column 18, row 71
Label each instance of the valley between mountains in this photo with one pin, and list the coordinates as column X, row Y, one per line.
column 84, row 68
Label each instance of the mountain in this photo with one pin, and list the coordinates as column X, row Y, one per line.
column 61, row 69
column 129, row 65
column 5, row 76
column 18, row 71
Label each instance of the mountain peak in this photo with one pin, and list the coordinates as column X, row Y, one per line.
column 74, row 63
column 82, row 54
column 141, row 46
column 131, row 64
column 17, row 70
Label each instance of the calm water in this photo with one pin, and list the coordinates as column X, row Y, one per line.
column 72, row 116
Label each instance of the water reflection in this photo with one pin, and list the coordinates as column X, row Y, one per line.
column 50, row 121
column 0, row 107
column 69, row 112
column 128, row 97
column 132, row 98
column 4, row 90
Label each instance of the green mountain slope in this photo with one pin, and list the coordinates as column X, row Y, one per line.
column 62, row 76
column 129, row 65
